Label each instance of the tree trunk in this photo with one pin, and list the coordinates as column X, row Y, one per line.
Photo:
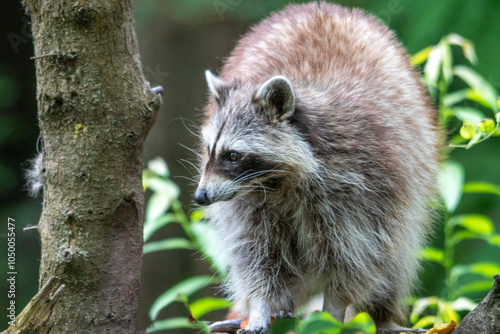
column 95, row 109
column 485, row 318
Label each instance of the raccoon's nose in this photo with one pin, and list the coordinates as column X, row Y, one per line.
column 201, row 197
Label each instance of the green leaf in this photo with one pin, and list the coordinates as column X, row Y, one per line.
column 156, row 207
column 283, row 326
column 164, row 186
column 171, row 323
column 186, row 287
column 159, row 166
column 420, row 305
column 363, row 322
column 432, row 254
column 468, row 114
column 449, row 314
column 455, row 97
column 475, row 223
column 165, row 192
column 320, row 322
column 167, row 244
column 206, row 305
column 447, row 62
column 485, row 269
column 462, row 235
column 494, row 240
column 467, row 46
column 463, row 304
column 421, row 56
column 432, row 68
column 468, row 130
column 487, row 126
column 425, row 322
column 478, row 286
column 459, row 270
column 456, row 140
column 474, row 95
column 196, row 215
column 479, row 84
column 450, row 184
column 151, row 226
column 482, row 187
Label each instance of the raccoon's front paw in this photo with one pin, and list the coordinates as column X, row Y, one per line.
column 254, row 331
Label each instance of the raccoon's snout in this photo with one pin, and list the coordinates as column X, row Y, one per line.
column 201, row 197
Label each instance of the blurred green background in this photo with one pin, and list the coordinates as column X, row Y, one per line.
column 178, row 40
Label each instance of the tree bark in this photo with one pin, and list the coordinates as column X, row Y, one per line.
column 95, row 109
column 485, row 318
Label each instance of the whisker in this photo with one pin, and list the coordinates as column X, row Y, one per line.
column 192, row 164
column 259, row 173
column 241, row 175
column 259, row 186
column 188, row 169
column 193, row 180
column 246, row 177
column 196, row 153
column 197, row 135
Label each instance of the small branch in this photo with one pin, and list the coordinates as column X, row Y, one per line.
column 399, row 331
column 158, row 90
column 34, row 316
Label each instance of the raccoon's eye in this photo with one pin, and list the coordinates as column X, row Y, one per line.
column 232, row 156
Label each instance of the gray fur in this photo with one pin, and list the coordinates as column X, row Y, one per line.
column 33, row 176
column 332, row 198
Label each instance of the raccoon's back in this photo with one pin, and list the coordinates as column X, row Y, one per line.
column 322, row 46
column 338, row 59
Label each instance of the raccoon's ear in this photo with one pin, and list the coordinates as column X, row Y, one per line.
column 215, row 84
column 276, row 96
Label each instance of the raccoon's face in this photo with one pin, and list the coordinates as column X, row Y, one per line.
column 243, row 142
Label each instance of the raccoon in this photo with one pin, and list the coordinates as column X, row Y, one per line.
column 318, row 161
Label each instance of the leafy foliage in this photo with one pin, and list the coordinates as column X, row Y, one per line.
column 323, row 323
column 475, row 128
column 164, row 208
column 439, row 73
